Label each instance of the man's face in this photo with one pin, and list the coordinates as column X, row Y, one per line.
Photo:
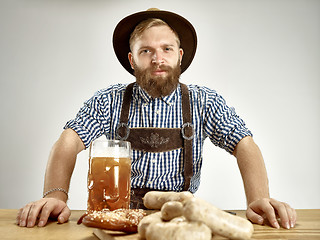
column 156, row 58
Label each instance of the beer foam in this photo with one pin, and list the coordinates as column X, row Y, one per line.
column 111, row 152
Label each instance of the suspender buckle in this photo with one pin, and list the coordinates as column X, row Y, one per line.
column 183, row 129
column 125, row 133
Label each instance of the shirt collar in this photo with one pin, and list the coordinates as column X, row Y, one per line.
column 138, row 92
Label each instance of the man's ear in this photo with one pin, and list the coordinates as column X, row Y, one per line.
column 130, row 57
column 180, row 54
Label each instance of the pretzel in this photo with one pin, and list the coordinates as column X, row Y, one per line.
column 125, row 220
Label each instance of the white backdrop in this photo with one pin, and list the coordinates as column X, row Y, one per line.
column 263, row 56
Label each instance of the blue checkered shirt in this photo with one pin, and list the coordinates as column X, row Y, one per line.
column 211, row 117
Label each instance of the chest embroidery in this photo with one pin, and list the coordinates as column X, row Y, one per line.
column 154, row 140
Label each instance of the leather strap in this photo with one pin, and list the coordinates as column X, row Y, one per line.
column 126, row 103
column 188, row 135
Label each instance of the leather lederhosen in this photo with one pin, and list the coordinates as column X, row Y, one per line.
column 158, row 139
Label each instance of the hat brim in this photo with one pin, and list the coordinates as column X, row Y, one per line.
column 185, row 30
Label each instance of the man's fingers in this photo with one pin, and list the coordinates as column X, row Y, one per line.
column 282, row 212
column 271, row 209
column 18, row 216
column 254, row 217
column 45, row 214
column 263, row 207
column 23, row 215
column 34, row 213
column 293, row 217
column 64, row 215
column 271, row 214
column 286, row 213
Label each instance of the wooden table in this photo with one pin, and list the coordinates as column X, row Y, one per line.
column 307, row 227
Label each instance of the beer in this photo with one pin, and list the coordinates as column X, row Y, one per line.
column 108, row 178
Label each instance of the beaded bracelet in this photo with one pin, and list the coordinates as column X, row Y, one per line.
column 54, row 190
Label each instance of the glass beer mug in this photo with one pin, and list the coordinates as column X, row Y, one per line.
column 109, row 175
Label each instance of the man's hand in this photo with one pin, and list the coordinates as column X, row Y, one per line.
column 43, row 208
column 270, row 209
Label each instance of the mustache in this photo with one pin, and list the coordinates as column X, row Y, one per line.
column 160, row 67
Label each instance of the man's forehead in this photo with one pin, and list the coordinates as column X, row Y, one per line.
column 162, row 35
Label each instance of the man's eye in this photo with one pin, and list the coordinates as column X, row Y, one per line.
column 168, row 49
column 145, row 51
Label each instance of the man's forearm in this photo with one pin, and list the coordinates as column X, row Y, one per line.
column 252, row 168
column 61, row 163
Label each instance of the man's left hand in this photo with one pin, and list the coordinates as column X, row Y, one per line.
column 271, row 209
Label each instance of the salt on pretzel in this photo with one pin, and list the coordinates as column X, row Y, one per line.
column 125, row 220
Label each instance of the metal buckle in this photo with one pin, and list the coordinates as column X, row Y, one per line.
column 127, row 131
column 187, row 124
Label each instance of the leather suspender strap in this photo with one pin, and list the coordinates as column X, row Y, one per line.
column 126, row 103
column 123, row 131
column 187, row 131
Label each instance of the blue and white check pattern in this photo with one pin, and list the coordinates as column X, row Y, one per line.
column 211, row 118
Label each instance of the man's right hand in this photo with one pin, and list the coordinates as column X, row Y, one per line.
column 43, row 208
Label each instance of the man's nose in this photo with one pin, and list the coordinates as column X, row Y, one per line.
column 157, row 58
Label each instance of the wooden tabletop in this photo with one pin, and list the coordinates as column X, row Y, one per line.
column 307, row 227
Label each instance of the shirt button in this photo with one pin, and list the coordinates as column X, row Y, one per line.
column 157, row 111
column 153, row 160
column 150, row 182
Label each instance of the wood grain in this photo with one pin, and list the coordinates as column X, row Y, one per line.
column 307, row 227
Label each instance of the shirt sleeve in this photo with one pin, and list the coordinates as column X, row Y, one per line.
column 92, row 120
column 223, row 126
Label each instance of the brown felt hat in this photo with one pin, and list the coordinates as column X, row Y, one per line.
column 185, row 30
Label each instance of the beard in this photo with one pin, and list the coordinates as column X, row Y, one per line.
column 158, row 86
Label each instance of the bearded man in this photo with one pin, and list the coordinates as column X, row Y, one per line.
column 157, row 46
